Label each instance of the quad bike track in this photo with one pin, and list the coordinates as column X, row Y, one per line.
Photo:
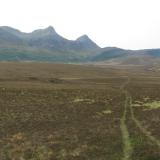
column 127, row 145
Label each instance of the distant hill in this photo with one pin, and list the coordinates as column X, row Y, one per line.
column 47, row 45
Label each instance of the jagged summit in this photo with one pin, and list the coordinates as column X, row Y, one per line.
column 87, row 42
column 11, row 30
column 47, row 31
column 7, row 28
column 83, row 38
column 51, row 29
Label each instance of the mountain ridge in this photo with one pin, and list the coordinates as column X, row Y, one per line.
column 47, row 45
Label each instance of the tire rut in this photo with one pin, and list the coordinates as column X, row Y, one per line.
column 140, row 126
column 127, row 147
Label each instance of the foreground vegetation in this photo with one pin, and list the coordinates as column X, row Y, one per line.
column 65, row 112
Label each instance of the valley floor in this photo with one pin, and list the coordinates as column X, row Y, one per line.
column 75, row 112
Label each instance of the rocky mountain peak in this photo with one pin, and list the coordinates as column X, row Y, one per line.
column 83, row 38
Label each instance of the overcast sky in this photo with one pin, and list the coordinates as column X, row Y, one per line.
column 131, row 24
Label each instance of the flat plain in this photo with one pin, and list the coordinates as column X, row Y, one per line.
column 78, row 112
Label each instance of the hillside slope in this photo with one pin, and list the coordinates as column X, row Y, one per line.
column 47, row 45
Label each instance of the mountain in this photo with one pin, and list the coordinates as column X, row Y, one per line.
column 47, row 45
column 43, row 45
column 8, row 37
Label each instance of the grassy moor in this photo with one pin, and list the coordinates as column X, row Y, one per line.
column 78, row 112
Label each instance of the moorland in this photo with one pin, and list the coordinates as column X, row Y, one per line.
column 79, row 112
